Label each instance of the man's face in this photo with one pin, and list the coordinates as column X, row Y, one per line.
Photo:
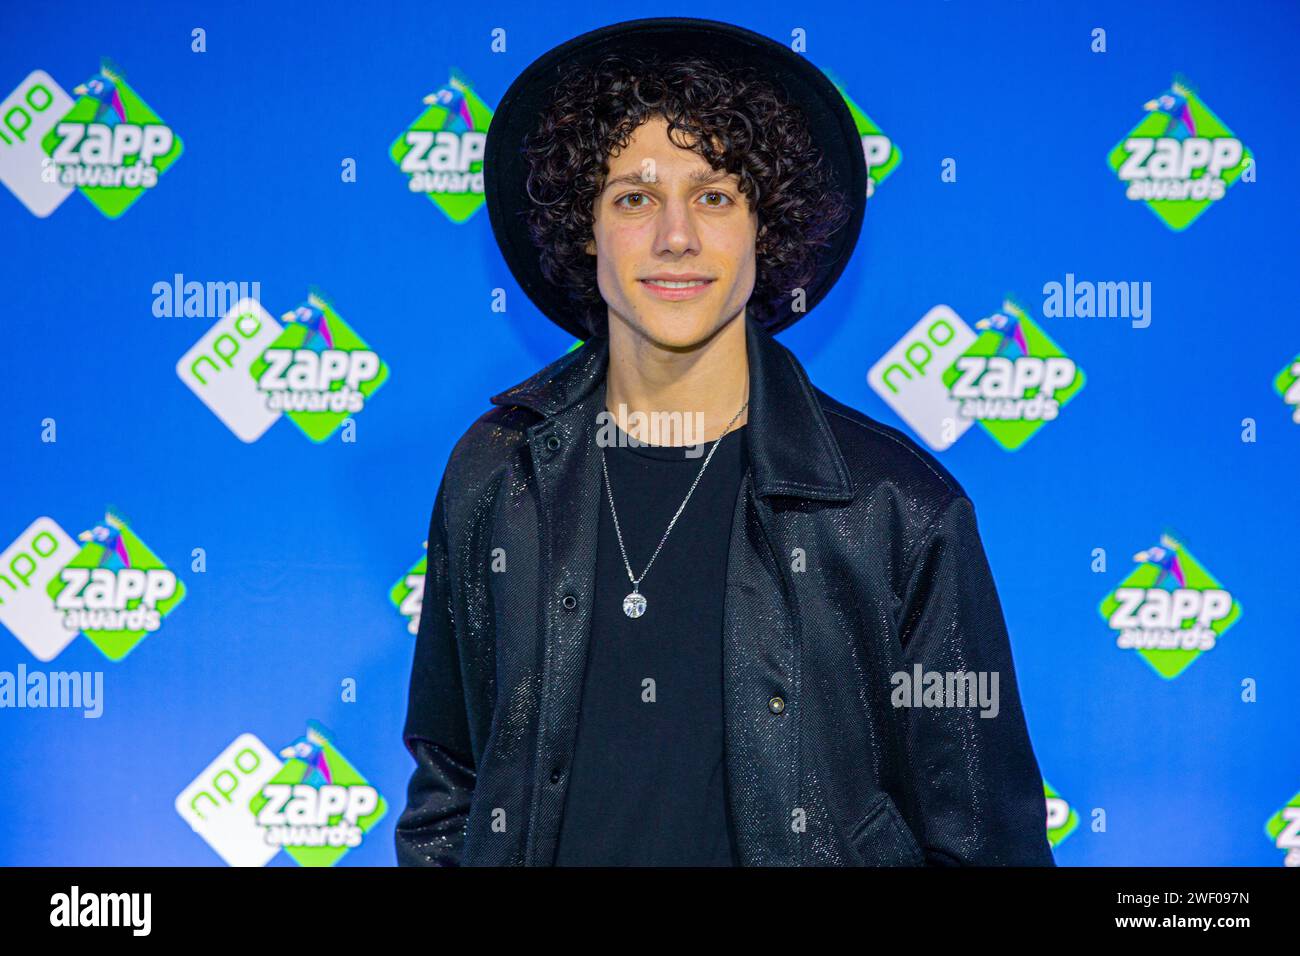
column 665, row 217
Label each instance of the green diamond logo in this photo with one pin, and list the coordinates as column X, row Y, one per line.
column 442, row 151
column 1283, row 829
column 1287, row 384
column 1180, row 158
column 317, row 806
column 1061, row 818
column 318, row 371
column 111, row 146
column 1169, row 609
column 882, row 155
column 1013, row 378
column 115, row 591
column 408, row 593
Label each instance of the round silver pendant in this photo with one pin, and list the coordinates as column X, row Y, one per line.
column 634, row 604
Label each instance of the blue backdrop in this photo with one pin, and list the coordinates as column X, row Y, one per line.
column 289, row 549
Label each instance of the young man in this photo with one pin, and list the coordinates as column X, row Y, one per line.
column 690, row 651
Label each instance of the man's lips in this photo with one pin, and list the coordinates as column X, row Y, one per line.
column 675, row 293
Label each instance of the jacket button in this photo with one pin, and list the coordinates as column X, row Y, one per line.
column 552, row 442
column 570, row 602
column 555, row 776
column 776, row 705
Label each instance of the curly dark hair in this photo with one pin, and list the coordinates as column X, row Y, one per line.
column 730, row 115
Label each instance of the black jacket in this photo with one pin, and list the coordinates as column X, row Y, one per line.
column 854, row 555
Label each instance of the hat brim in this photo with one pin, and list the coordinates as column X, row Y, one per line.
column 505, row 171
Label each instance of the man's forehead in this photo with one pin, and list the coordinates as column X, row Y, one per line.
column 648, row 171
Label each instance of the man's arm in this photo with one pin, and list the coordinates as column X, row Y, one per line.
column 431, row 830
column 976, row 780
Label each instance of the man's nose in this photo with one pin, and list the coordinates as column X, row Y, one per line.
column 677, row 230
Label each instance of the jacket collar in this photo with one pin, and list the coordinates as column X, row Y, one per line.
column 792, row 449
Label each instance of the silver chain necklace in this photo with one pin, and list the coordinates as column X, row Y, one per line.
column 634, row 604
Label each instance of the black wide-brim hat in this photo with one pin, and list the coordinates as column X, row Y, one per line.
column 829, row 119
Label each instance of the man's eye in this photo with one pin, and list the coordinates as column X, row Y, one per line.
column 641, row 196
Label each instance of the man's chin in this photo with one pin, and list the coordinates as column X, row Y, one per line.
column 678, row 329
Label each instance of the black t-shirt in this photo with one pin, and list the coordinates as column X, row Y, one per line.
column 648, row 782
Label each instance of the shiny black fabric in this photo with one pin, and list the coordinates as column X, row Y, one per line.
column 854, row 555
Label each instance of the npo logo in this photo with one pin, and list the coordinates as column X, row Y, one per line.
column 106, row 585
column 1006, row 374
column 306, row 799
column 107, row 143
column 311, row 367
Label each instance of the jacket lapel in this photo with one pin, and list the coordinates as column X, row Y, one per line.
column 566, row 465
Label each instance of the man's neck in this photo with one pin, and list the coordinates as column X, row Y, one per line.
column 695, row 392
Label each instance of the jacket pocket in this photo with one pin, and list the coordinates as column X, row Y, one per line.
column 882, row 837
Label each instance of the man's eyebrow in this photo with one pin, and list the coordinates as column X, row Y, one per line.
column 701, row 177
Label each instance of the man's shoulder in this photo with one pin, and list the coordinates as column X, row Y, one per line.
column 490, row 441
column 494, row 438
column 878, row 454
